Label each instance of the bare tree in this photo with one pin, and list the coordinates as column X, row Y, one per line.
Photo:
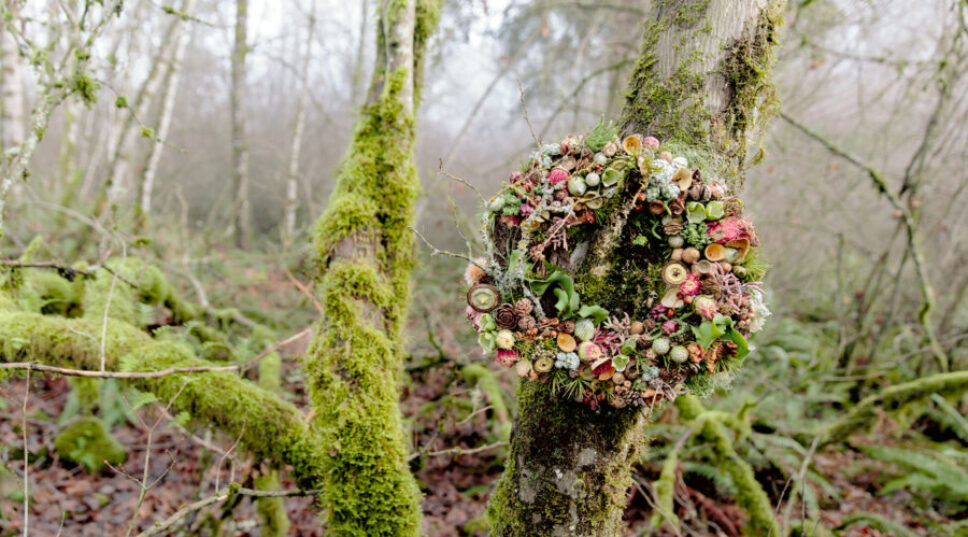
column 11, row 90
column 169, row 93
column 241, row 217
column 292, row 173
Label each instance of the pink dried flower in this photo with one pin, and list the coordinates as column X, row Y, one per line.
column 691, row 286
column 651, row 142
column 732, row 229
column 506, row 358
column 670, row 327
column 473, row 316
column 705, row 307
column 557, row 175
column 516, row 177
column 526, row 210
column 658, row 312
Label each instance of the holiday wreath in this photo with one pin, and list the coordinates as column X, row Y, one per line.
column 700, row 303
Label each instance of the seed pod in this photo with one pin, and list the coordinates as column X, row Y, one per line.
column 661, row 346
column 637, row 328
column 690, row 255
column 677, row 242
column 576, row 186
column 544, row 364
column 610, row 149
column 632, row 144
column 504, row 339
column 592, row 179
column 679, row 354
column 483, row 297
column 566, row 343
column 590, row 352
column 676, row 254
column 674, row 273
column 585, row 329
column 715, row 252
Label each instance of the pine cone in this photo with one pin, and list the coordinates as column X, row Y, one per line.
column 561, row 195
column 523, row 307
column 526, row 323
column 504, row 316
column 673, row 227
column 567, row 326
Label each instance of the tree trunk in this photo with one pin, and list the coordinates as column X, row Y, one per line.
column 702, row 79
column 12, row 91
column 169, row 93
column 241, row 218
column 292, row 174
column 137, row 111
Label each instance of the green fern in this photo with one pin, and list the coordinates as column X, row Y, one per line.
column 930, row 472
column 879, row 523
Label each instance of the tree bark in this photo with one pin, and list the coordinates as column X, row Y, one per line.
column 169, row 93
column 12, row 91
column 241, row 217
column 702, row 80
column 137, row 112
column 292, row 173
column 367, row 251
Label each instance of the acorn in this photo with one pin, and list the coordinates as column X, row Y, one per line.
column 637, row 328
column 674, row 273
column 690, row 255
column 483, row 297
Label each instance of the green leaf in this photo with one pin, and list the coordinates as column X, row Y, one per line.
column 695, row 212
column 142, row 399
column 706, row 333
column 596, row 312
column 568, row 300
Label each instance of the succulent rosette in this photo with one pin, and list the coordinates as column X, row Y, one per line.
column 684, row 324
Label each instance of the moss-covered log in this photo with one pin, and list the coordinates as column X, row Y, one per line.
column 367, row 252
column 701, row 84
column 269, row 428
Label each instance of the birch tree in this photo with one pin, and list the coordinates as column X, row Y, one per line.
column 702, row 79
column 11, row 90
column 292, row 173
column 241, row 219
column 149, row 168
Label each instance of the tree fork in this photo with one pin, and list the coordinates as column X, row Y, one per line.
column 702, row 82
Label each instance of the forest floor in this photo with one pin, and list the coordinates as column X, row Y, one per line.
column 446, row 413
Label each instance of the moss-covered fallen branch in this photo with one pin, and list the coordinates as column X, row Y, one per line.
column 267, row 427
column 864, row 413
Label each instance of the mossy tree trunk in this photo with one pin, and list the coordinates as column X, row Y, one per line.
column 367, row 251
column 702, row 80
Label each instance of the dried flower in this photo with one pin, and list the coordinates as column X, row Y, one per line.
column 674, row 273
column 544, row 364
column 474, row 273
column 705, row 306
column 557, row 175
column 661, row 346
column 589, row 351
column 651, row 142
column 522, row 368
column 585, row 329
column 691, row 286
column 504, row 339
column 506, row 357
column 567, row 360
column 679, row 354
column 670, row 327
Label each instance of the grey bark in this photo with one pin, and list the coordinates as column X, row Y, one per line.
column 241, row 218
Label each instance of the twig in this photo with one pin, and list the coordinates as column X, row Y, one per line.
column 437, row 251
column 23, row 411
column 527, row 119
column 162, row 528
column 153, row 374
column 304, row 290
column 913, row 240
column 460, row 451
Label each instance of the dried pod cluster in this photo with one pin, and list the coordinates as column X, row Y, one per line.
column 705, row 300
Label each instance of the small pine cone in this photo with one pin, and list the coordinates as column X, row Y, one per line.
column 526, row 323
column 649, row 324
column 504, row 316
column 523, row 307
column 673, row 227
column 561, row 195
column 567, row 327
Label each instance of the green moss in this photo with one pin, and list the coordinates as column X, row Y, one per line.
column 483, row 378
column 87, row 442
column 354, row 363
column 272, row 511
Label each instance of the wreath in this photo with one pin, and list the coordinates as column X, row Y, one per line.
column 688, row 318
